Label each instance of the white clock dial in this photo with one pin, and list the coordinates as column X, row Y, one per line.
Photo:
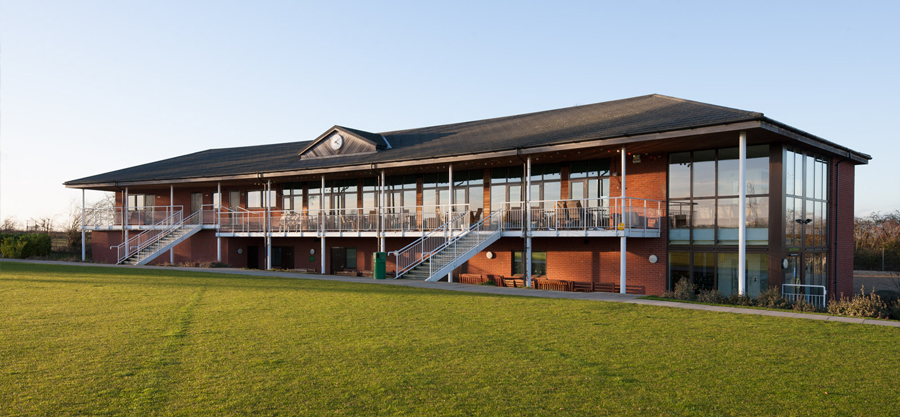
column 337, row 141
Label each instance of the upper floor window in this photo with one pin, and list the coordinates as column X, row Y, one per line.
column 506, row 186
column 589, row 180
column 292, row 198
column 546, row 185
column 255, row 199
column 401, row 192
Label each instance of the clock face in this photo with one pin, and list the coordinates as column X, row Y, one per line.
column 337, row 141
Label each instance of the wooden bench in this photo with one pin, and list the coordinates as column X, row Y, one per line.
column 474, row 279
column 551, row 284
column 515, row 282
column 581, row 286
column 348, row 273
column 614, row 287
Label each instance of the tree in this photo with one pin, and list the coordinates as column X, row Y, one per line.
column 10, row 224
column 99, row 212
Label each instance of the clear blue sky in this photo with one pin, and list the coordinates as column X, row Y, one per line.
column 91, row 86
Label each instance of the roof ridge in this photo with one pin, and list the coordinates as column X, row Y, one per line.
column 684, row 100
column 500, row 118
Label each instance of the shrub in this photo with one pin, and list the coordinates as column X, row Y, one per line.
column 711, row 296
column 804, row 306
column 864, row 305
column 771, row 298
column 683, row 291
column 26, row 245
column 739, row 300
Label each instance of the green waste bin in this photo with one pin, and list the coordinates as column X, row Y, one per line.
column 379, row 264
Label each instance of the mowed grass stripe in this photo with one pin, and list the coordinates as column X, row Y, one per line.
column 84, row 340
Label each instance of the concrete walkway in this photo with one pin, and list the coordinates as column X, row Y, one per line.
column 486, row 289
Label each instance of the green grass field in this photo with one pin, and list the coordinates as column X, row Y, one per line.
column 92, row 340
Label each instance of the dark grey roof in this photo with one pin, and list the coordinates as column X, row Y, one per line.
column 645, row 114
column 209, row 163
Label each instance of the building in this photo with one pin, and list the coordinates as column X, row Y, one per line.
column 633, row 194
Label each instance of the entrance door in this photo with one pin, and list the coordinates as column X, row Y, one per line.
column 253, row 257
column 276, row 257
column 287, row 257
column 196, row 202
column 338, row 259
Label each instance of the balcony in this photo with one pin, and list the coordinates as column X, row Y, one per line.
column 614, row 216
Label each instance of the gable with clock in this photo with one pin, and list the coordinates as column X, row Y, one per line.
column 339, row 141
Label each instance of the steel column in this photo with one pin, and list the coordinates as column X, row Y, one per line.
column 623, row 245
column 450, row 210
column 322, row 222
column 83, row 256
column 742, row 215
column 171, row 212
column 268, row 226
column 216, row 213
column 526, row 229
column 125, row 218
column 381, row 206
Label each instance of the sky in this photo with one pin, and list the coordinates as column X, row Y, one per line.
column 89, row 87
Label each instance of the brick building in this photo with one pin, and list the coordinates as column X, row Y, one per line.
column 633, row 194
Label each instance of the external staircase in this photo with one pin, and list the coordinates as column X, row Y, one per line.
column 165, row 235
column 429, row 262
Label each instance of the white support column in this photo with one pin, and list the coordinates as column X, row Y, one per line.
column 742, row 215
column 322, row 223
column 381, row 242
column 216, row 212
column 623, row 245
column 450, row 212
column 125, row 218
column 268, row 226
column 526, row 228
column 83, row 256
column 171, row 212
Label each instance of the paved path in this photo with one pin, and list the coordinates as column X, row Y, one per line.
column 486, row 289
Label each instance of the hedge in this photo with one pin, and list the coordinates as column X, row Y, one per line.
column 25, row 245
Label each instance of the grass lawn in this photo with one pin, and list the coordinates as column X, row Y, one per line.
column 92, row 340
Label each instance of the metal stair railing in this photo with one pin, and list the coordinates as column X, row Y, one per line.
column 485, row 229
column 140, row 242
column 416, row 252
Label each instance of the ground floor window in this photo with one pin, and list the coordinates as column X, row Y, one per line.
column 709, row 270
column 538, row 263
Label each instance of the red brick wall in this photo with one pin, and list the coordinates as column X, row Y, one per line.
column 100, row 243
column 843, row 221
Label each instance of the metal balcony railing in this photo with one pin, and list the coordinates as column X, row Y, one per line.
column 133, row 216
column 583, row 214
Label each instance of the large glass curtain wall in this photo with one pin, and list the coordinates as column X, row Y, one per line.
column 704, row 217
column 703, row 197
column 806, row 217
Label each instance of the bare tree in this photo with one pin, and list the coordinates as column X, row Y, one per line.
column 10, row 224
column 99, row 212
